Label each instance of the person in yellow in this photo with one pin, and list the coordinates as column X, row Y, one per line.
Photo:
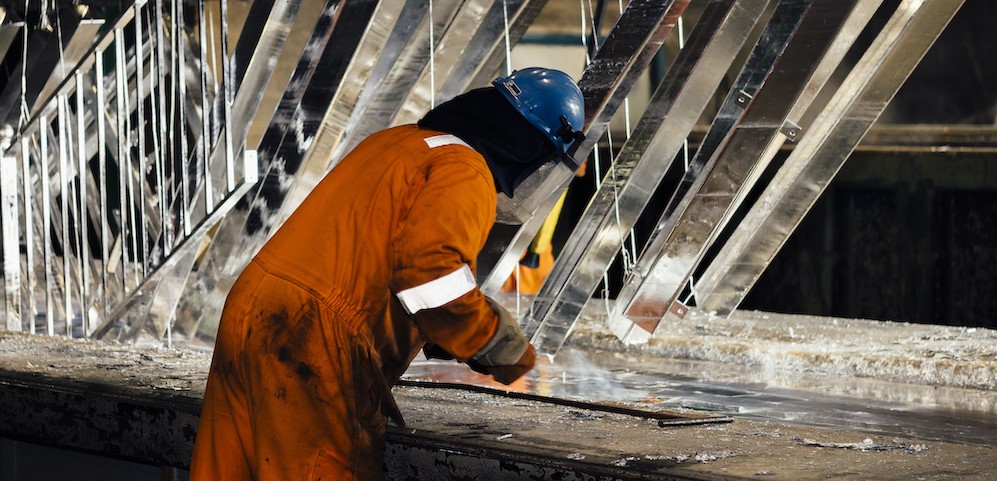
column 375, row 264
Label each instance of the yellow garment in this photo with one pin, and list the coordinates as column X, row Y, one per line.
column 528, row 280
column 313, row 335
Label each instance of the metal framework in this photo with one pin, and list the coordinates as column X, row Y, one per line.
column 132, row 195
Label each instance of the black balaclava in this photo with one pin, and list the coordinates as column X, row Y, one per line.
column 510, row 144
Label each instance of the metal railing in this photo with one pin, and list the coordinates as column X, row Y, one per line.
column 110, row 178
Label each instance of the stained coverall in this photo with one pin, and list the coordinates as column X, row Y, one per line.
column 376, row 262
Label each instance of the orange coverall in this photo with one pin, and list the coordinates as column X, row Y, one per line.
column 313, row 334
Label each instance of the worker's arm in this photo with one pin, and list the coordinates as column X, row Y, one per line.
column 435, row 251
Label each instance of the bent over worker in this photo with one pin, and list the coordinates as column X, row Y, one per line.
column 377, row 262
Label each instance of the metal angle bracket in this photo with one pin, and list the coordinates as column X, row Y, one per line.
column 743, row 99
column 791, row 130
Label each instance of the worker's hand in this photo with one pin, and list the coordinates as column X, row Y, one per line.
column 508, row 355
column 508, row 374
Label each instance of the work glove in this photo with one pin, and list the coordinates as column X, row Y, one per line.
column 508, row 355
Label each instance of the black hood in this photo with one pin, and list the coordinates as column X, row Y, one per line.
column 511, row 145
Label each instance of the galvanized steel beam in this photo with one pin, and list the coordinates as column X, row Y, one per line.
column 672, row 112
column 682, row 237
column 860, row 100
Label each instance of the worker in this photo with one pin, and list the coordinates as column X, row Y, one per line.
column 377, row 263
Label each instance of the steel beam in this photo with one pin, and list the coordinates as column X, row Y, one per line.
column 672, row 112
column 683, row 235
column 605, row 83
column 857, row 104
column 8, row 32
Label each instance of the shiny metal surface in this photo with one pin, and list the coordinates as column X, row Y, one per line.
column 8, row 32
column 671, row 114
column 10, row 235
column 859, row 101
column 284, row 151
column 683, row 234
column 607, row 80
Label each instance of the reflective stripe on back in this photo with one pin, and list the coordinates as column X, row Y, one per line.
column 438, row 292
column 441, row 140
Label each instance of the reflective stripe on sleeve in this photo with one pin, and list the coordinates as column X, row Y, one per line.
column 441, row 140
column 438, row 292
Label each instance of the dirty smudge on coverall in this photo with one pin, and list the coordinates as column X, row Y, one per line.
column 311, row 336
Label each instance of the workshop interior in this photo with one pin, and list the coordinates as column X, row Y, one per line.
column 773, row 255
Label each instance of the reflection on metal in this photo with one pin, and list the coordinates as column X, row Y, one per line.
column 607, row 80
column 693, row 218
column 290, row 145
column 74, row 156
column 368, row 78
column 10, row 232
column 671, row 114
column 859, row 101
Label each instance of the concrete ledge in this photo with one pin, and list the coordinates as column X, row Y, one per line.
column 142, row 403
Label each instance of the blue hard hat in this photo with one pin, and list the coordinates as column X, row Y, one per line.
column 550, row 100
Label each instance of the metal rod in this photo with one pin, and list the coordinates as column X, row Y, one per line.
column 124, row 154
column 29, row 233
column 666, row 418
column 82, row 225
column 99, row 119
column 228, row 96
column 206, row 143
column 180, row 76
column 142, row 256
column 11, row 233
column 162, row 148
column 43, row 177
column 63, row 134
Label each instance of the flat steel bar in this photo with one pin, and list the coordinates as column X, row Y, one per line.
column 451, row 49
column 672, row 112
column 399, row 66
column 104, row 209
column 142, row 256
column 28, row 193
column 663, row 418
column 149, row 282
column 835, row 133
column 83, row 241
column 8, row 32
column 46, row 227
column 237, row 119
column 291, row 133
column 853, row 26
column 780, row 27
column 206, row 140
column 228, row 98
column 11, row 235
column 124, row 151
column 81, row 38
column 680, row 239
column 481, row 72
column 356, row 67
column 161, row 147
column 614, row 70
column 49, row 49
column 64, row 195
column 180, row 49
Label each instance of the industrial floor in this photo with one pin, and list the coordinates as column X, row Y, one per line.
column 783, row 397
